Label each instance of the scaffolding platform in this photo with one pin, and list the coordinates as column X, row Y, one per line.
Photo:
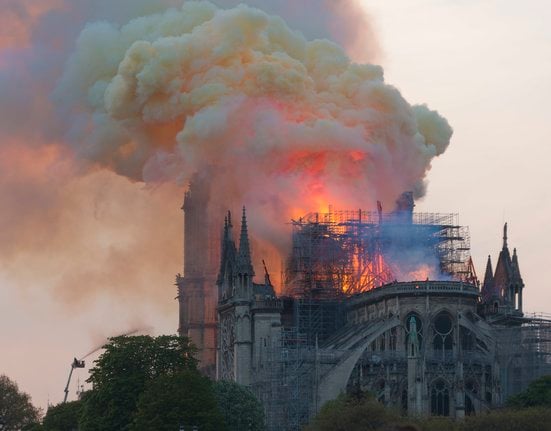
column 342, row 253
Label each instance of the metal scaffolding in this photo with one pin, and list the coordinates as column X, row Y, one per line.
column 347, row 252
column 286, row 380
column 285, row 383
column 525, row 352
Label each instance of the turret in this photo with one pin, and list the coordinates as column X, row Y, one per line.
column 228, row 261
column 517, row 282
column 517, row 278
column 502, row 291
column 488, row 285
column 245, row 263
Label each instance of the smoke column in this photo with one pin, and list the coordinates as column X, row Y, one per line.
column 283, row 124
column 152, row 92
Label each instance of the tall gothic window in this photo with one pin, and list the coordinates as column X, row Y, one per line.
column 440, row 399
column 442, row 341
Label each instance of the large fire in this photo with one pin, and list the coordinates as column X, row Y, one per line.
column 366, row 274
column 350, row 252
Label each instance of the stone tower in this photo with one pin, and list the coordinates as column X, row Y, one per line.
column 248, row 312
column 502, row 291
column 235, row 283
column 197, row 294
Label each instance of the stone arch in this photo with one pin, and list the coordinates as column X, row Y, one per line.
column 334, row 382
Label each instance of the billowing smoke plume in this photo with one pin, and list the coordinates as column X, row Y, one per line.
column 84, row 250
column 283, row 124
column 155, row 91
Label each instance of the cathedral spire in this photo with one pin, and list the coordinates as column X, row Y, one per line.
column 244, row 247
column 505, row 236
column 488, row 284
column 489, row 276
column 515, row 267
column 229, row 226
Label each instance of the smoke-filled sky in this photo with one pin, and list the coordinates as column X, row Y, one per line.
column 108, row 107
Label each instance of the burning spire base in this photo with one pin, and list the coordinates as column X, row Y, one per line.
column 349, row 252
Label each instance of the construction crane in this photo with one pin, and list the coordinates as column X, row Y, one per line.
column 76, row 364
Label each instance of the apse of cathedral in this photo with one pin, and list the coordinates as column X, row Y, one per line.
column 382, row 302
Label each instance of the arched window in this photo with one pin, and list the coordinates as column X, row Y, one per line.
column 442, row 341
column 440, row 399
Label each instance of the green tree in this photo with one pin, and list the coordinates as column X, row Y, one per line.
column 122, row 372
column 361, row 412
column 531, row 419
column 239, row 407
column 63, row 417
column 183, row 399
column 16, row 409
column 538, row 393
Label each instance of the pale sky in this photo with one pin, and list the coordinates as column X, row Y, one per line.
column 484, row 65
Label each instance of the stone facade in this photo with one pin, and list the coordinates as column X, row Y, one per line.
column 248, row 312
column 425, row 347
column 197, row 295
column 439, row 358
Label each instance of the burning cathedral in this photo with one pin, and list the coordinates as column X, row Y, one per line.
column 387, row 302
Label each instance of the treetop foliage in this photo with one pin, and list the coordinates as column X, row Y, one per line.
column 182, row 399
column 537, row 394
column 362, row 412
column 16, row 409
column 143, row 357
column 63, row 417
column 121, row 373
column 239, row 407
